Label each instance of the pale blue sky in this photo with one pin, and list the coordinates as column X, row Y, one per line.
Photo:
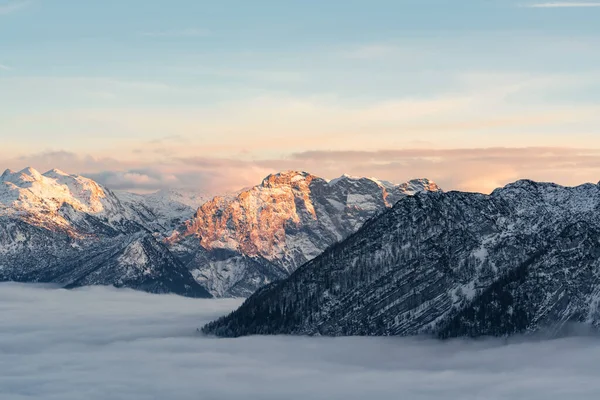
column 141, row 87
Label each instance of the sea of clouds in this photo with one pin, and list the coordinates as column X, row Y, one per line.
column 104, row 343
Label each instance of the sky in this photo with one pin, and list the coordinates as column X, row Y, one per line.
column 213, row 96
column 105, row 343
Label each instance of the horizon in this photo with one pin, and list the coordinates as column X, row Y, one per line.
column 328, row 180
column 215, row 96
column 29, row 170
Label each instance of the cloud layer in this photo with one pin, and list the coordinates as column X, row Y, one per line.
column 484, row 130
column 468, row 169
column 13, row 6
column 101, row 343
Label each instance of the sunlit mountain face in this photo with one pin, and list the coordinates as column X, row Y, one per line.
column 70, row 230
column 239, row 243
column 522, row 260
column 229, row 245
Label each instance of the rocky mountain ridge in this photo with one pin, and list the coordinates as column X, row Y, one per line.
column 68, row 229
column 235, row 245
column 449, row 264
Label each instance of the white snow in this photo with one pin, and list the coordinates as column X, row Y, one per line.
column 363, row 201
column 481, row 253
column 219, row 276
column 29, row 193
column 168, row 208
column 134, row 256
column 347, row 177
column 41, row 196
column 344, row 177
column 20, row 237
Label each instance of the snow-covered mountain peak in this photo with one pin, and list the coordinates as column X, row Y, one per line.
column 164, row 210
column 525, row 258
column 383, row 183
column 31, row 172
column 41, row 196
column 86, row 191
column 191, row 198
column 551, row 198
column 346, row 178
column 288, row 178
column 410, row 188
column 23, row 177
column 267, row 231
column 28, row 188
column 419, row 185
column 6, row 172
column 55, row 172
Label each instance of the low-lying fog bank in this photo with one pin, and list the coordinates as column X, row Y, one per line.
column 103, row 343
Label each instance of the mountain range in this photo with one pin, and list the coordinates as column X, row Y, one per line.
column 350, row 256
column 234, row 245
column 67, row 229
column 524, row 258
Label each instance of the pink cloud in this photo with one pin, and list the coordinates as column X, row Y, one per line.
column 471, row 169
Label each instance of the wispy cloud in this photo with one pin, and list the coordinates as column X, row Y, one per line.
column 190, row 32
column 13, row 6
column 470, row 169
column 563, row 5
column 368, row 52
column 4, row 67
column 151, row 147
